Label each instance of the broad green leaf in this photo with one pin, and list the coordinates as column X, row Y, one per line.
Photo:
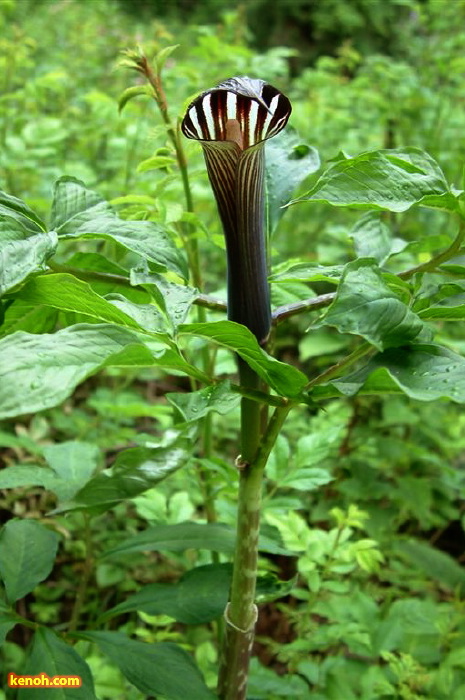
column 135, row 470
column 175, row 300
column 444, row 313
column 197, row 404
column 373, row 239
column 288, row 162
column 177, row 538
column 20, row 316
column 78, row 212
column 66, row 292
column 146, row 316
column 22, row 251
column 40, row 371
column 27, row 554
column 425, row 372
column 199, row 596
column 17, row 209
column 50, row 655
column 73, row 463
column 162, row 669
column 437, row 565
column 264, row 684
column 28, row 475
column 366, row 306
column 393, row 180
column 304, row 272
column 285, row 379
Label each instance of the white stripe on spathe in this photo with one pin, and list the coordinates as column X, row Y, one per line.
column 272, row 109
column 253, row 113
column 195, row 122
column 207, row 110
column 231, row 105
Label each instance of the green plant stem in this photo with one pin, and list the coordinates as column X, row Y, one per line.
column 241, row 612
column 85, row 576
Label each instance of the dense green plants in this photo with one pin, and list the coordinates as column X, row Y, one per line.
column 119, row 371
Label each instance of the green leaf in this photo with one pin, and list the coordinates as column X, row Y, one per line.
column 392, row 180
column 155, row 162
column 163, row 55
column 50, row 655
column 285, row 379
column 199, row 596
column 20, row 316
column 28, row 552
column 155, row 669
column 303, row 272
column 17, row 209
column 66, row 292
column 40, row 371
column 135, row 470
column 131, row 92
column 8, row 620
column 425, row 372
column 443, row 312
column 175, row 300
column 22, row 251
column 73, row 463
column 288, row 162
column 177, row 538
column 373, row 239
column 28, row 475
column 437, row 565
column 366, row 306
column 197, row 404
column 78, row 212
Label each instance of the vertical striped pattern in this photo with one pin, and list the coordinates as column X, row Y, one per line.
column 260, row 112
column 232, row 121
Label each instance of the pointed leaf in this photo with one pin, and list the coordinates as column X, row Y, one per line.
column 17, row 209
column 197, row 404
column 177, row 538
column 78, row 212
column 130, row 93
column 425, row 372
column 175, row 300
column 199, row 596
column 393, row 180
column 366, row 306
column 163, row 55
column 66, row 292
column 288, row 162
column 28, row 552
column 373, row 239
column 73, row 463
column 52, row 656
column 22, row 251
column 155, row 669
column 135, row 470
column 40, row 371
column 285, row 379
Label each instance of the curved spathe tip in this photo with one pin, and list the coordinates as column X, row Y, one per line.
column 242, row 110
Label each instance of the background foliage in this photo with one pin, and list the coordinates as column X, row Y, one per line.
column 364, row 502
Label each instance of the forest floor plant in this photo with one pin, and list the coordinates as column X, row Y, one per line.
column 66, row 317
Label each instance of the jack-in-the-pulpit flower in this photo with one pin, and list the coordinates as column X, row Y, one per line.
column 232, row 121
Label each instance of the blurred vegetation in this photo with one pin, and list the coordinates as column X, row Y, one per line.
column 377, row 608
